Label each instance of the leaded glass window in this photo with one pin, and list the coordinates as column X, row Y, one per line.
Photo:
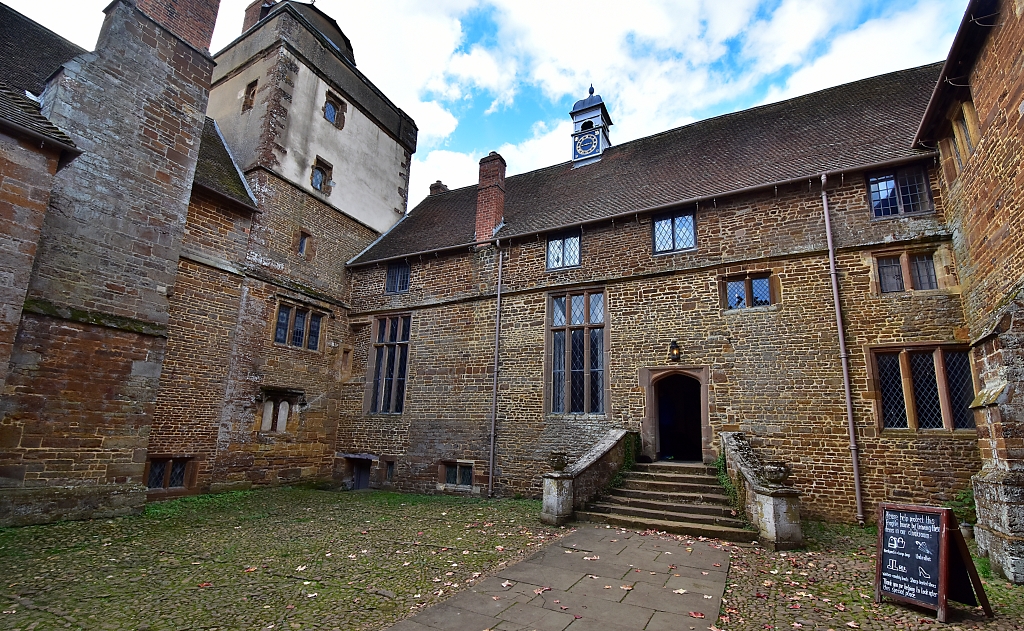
column 167, row 473
column 900, row 192
column 890, row 274
column 925, row 388
column 563, row 251
column 675, row 232
column 397, row 279
column 298, row 327
column 922, row 271
column 391, row 356
column 752, row 291
column 458, row 474
column 577, row 361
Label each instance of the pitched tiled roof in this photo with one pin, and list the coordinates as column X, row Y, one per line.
column 30, row 52
column 216, row 169
column 21, row 113
column 839, row 129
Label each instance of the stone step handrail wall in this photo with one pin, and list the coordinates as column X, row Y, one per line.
column 570, row 489
column 770, row 506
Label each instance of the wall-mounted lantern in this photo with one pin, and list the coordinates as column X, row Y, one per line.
column 674, row 352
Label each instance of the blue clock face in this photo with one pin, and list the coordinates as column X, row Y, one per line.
column 586, row 144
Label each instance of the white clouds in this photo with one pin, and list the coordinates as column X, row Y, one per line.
column 785, row 38
column 915, row 36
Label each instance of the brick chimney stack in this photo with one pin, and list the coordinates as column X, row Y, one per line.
column 437, row 188
column 490, row 196
column 191, row 20
column 256, row 12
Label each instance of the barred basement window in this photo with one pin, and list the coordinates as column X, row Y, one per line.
column 397, row 279
column 249, row 96
column 391, row 354
column 577, row 361
column 924, row 388
column 754, row 290
column 458, row 474
column 899, row 192
column 674, row 233
column 563, row 251
column 299, row 327
column 167, row 473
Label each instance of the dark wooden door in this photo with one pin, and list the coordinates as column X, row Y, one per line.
column 361, row 474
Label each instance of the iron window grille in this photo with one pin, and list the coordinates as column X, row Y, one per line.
column 298, row 327
column 900, row 192
column 563, row 251
column 673, row 233
column 397, row 279
column 167, row 473
column 578, row 357
column 749, row 291
column 923, row 388
column 391, row 356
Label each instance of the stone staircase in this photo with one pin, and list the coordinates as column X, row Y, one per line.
column 679, row 497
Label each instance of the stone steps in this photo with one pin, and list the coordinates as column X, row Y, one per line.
column 676, row 497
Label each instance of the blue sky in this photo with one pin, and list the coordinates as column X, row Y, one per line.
column 501, row 75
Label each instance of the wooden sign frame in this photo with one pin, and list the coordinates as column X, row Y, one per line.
column 954, row 562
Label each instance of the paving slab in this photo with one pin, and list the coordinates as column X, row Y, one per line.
column 637, row 570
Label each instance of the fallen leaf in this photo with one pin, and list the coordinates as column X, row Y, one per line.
column 607, row 586
column 250, row 569
column 556, row 601
column 289, row 606
column 495, row 597
column 852, row 625
column 563, row 607
column 576, row 617
column 626, row 587
column 300, row 568
column 696, row 614
column 313, row 595
column 206, row 584
column 717, row 564
column 678, row 591
column 507, row 584
column 541, row 590
column 708, row 596
column 704, row 573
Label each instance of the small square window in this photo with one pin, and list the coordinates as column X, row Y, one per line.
column 320, row 176
column 563, row 251
column 674, row 233
column 751, row 291
column 249, row 96
column 899, row 192
column 335, row 110
column 397, row 279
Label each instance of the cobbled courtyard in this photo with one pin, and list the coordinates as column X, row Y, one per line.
column 308, row 559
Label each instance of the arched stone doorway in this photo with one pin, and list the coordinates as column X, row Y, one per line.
column 676, row 424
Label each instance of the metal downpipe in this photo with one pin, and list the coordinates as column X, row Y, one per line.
column 843, row 355
column 494, row 390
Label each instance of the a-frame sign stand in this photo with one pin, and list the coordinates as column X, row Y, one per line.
column 923, row 559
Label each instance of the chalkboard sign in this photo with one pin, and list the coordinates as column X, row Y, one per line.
column 923, row 559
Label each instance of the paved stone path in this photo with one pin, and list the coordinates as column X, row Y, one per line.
column 596, row 579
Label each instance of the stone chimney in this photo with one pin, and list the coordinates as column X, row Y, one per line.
column 256, row 12
column 437, row 188
column 490, row 196
column 191, row 20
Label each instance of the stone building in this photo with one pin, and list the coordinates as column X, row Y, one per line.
column 976, row 121
column 181, row 327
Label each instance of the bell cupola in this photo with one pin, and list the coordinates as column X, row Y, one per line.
column 590, row 123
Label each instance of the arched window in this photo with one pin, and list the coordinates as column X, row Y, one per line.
column 587, row 125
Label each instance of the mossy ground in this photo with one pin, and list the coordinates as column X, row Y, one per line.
column 269, row 559
column 830, row 585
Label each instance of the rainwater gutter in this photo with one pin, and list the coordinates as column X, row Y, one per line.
column 843, row 354
column 494, row 388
